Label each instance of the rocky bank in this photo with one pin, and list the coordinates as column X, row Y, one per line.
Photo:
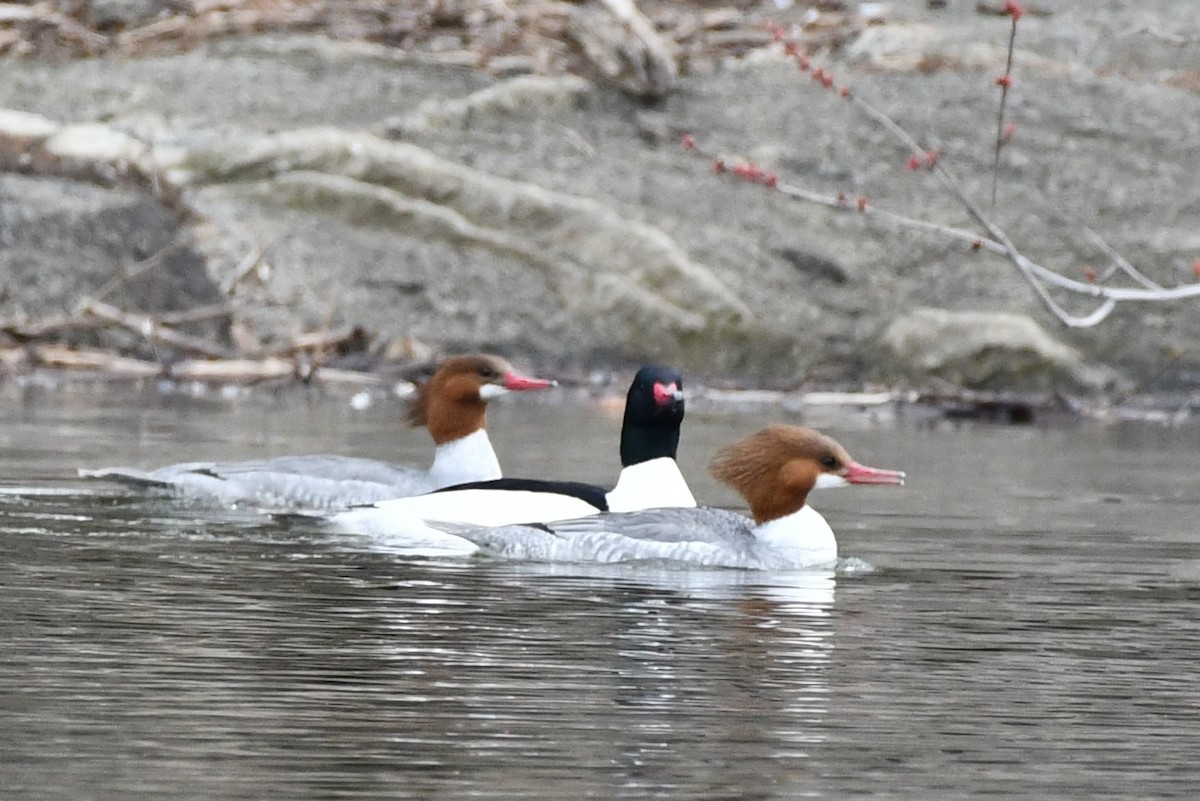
column 425, row 193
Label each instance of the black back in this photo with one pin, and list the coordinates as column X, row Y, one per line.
column 588, row 493
column 651, row 426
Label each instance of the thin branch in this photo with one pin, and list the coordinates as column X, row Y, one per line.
column 123, row 277
column 1170, row 38
column 252, row 264
column 25, row 330
column 199, row 314
column 1119, row 262
column 841, row 203
column 996, row 240
column 1005, row 84
column 316, row 341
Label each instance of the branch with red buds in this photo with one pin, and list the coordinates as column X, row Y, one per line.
column 1005, row 82
column 1040, row 278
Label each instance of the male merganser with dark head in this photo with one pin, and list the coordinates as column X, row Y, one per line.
column 774, row 470
column 649, row 477
column 452, row 405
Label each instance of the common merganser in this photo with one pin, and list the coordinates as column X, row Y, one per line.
column 774, row 470
column 650, row 476
column 452, row 405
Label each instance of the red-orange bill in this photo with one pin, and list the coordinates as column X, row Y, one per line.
column 861, row 474
column 515, row 381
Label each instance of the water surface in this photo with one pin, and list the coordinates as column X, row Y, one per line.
column 1019, row 621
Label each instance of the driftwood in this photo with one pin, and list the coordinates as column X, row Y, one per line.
column 63, row 357
column 638, row 45
column 24, row 330
column 233, row 370
column 302, row 358
column 219, row 22
column 94, row 362
column 154, row 332
column 197, row 315
column 32, row 330
column 319, row 341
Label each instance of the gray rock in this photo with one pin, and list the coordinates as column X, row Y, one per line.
column 62, row 241
column 517, row 97
column 610, row 279
column 987, row 351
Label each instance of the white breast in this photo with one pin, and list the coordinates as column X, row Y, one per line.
column 649, row 485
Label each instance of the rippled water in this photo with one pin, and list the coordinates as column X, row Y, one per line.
column 1029, row 629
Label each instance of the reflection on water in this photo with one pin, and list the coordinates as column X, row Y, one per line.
column 1028, row 629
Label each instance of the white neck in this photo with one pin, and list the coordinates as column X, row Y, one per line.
column 648, row 485
column 469, row 458
column 803, row 538
column 489, row 391
column 829, row 481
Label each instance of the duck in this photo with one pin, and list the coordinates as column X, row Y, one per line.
column 650, row 476
column 774, row 470
column 451, row 405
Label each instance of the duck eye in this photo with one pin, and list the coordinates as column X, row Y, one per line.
column 829, row 462
column 487, row 372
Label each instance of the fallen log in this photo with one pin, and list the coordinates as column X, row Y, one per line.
column 66, row 358
column 232, row 370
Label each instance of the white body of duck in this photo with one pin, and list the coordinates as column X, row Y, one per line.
column 452, row 405
column 774, row 470
column 650, row 477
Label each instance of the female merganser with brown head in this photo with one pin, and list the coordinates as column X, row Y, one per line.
column 774, row 470
column 452, row 405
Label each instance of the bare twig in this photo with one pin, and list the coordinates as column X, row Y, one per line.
column 199, row 314
column 145, row 265
column 31, row 330
column 317, row 341
column 1170, row 38
column 1119, row 262
column 251, row 265
column 1005, row 83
